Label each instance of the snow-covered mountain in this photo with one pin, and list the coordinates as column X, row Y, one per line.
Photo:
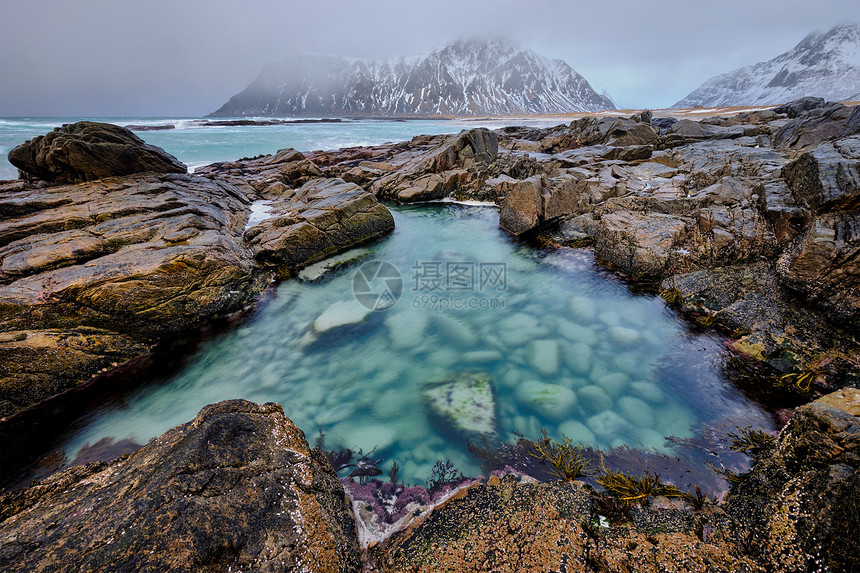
column 464, row 78
column 822, row 65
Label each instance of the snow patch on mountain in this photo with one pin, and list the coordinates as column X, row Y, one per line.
column 822, row 65
column 464, row 78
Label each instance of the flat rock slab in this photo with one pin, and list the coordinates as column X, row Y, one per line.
column 133, row 258
column 238, row 487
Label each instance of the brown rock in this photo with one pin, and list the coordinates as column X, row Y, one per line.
column 86, row 151
column 324, row 217
column 799, row 505
column 236, row 488
column 95, row 273
column 549, row 527
column 823, row 264
column 639, row 245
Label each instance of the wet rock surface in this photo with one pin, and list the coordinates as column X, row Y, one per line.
column 237, row 487
column 799, row 505
column 95, row 273
column 89, row 150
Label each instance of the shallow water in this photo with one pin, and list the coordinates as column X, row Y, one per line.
column 568, row 348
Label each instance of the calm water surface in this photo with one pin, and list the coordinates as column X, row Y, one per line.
column 567, row 347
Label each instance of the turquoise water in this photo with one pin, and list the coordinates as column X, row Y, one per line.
column 197, row 145
column 567, row 347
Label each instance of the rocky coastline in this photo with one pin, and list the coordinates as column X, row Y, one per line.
column 749, row 224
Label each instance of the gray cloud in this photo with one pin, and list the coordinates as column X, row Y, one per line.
column 163, row 57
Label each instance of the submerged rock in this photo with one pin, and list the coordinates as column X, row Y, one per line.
column 88, row 150
column 465, row 403
column 340, row 314
column 238, row 487
column 550, row 400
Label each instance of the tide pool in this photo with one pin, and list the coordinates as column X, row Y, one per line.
column 565, row 347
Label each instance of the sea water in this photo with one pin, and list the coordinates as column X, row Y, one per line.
column 567, row 348
column 195, row 143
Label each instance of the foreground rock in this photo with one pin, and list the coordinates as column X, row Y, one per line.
column 239, row 488
column 95, row 273
column 86, row 151
column 795, row 511
column 507, row 526
column 235, row 488
column 322, row 218
column 800, row 505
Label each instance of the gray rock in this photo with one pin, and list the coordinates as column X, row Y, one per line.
column 86, row 151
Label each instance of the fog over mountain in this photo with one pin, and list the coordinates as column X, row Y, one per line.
column 464, row 78
column 163, row 57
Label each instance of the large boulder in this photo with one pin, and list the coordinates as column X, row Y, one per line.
column 817, row 125
column 537, row 200
column 322, row 218
column 433, row 167
column 827, row 178
column 237, row 488
column 88, row 150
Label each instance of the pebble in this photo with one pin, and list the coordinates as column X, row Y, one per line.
column 519, row 328
column 455, row 331
column 607, row 426
column 612, row 383
column 543, row 356
column 636, row 411
column 577, row 432
column 407, row 329
column 575, row 332
column 624, row 336
column 581, row 309
column 648, row 391
column 550, row 400
column 594, row 399
column 577, row 357
column 674, row 420
column 340, row 314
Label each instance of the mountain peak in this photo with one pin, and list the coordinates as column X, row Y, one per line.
column 476, row 76
column 823, row 64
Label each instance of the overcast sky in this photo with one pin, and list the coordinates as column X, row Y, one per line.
column 187, row 57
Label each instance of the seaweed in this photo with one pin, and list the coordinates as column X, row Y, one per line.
column 750, row 441
column 566, row 459
column 443, row 473
column 635, row 489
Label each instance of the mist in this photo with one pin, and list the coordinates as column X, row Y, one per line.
column 103, row 58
